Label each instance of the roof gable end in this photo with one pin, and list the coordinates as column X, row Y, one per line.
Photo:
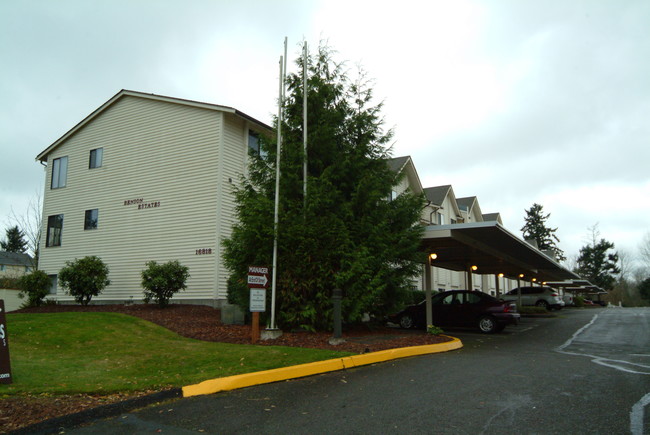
column 123, row 93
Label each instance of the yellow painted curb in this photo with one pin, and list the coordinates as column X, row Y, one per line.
column 282, row 374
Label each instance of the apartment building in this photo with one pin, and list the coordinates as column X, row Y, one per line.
column 147, row 177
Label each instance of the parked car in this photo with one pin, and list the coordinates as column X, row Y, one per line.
column 546, row 297
column 568, row 300
column 460, row 308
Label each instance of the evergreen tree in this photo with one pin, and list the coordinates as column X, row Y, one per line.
column 15, row 241
column 346, row 233
column 596, row 264
column 644, row 289
column 536, row 229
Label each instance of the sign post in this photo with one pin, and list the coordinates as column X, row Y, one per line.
column 5, row 366
column 258, row 279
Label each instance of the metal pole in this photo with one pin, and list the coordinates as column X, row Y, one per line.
column 496, row 276
column 277, row 194
column 304, row 121
column 470, row 283
column 427, row 292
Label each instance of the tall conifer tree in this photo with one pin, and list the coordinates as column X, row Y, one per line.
column 596, row 263
column 347, row 234
column 536, row 229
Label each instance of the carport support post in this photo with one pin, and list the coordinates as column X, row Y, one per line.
column 470, row 285
column 427, row 293
column 496, row 278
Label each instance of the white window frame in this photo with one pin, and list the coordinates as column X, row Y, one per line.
column 59, row 172
column 96, row 162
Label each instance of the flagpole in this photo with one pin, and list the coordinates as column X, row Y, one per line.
column 304, row 122
column 276, row 213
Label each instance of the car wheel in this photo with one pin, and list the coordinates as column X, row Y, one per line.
column 406, row 321
column 488, row 324
column 543, row 304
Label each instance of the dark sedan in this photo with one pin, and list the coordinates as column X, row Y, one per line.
column 460, row 308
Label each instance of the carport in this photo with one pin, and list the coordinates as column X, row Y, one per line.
column 579, row 286
column 486, row 248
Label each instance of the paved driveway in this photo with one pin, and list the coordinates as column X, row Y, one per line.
column 586, row 371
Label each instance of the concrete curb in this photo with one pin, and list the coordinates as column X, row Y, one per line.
column 282, row 374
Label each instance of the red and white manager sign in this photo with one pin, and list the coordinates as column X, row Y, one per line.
column 258, row 277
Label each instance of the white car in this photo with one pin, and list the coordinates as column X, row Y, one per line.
column 546, row 297
column 568, row 299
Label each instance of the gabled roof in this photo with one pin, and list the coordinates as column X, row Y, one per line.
column 405, row 165
column 437, row 194
column 43, row 155
column 15, row 259
column 492, row 217
column 470, row 203
column 467, row 202
column 397, row 163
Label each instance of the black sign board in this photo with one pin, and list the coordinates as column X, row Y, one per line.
column 5, row 368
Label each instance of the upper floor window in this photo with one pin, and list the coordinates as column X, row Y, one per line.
column 59, row 172
column 96, row 158
column 392, row 196
column 441, row 219
column 54, row 230
column 254, row 146
column 91, row 219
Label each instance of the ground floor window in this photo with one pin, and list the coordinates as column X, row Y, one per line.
column 53, row 283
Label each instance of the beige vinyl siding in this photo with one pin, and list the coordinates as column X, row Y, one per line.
column 154, row 151
column 234, row 152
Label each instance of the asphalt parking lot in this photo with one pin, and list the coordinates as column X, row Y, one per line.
column 585, row 371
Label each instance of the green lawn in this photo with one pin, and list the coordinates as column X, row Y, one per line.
column 106, row 352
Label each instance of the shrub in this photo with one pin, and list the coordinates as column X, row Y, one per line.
column 161, row 281
column 532, row 310
column 35, row 286
column 434, row 330
column 84, row 278
column 8, row 282
column 579, row 301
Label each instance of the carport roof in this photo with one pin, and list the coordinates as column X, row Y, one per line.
column 577, row 285
column 493, row 249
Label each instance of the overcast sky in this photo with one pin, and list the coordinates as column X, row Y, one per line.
column 513, row 101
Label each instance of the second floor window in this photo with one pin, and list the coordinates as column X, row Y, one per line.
column 254, row 146
column 91, row 219
column 59, row 172
column 54, row 230
column 96, row 158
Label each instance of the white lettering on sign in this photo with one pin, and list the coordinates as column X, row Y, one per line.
column 258, row 269
column 257, row 279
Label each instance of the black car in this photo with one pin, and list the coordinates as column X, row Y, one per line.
column 460, row 308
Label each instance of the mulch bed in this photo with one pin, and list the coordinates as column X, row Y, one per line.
column 202, row 323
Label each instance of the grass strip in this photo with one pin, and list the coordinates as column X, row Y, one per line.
column 65, row 353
